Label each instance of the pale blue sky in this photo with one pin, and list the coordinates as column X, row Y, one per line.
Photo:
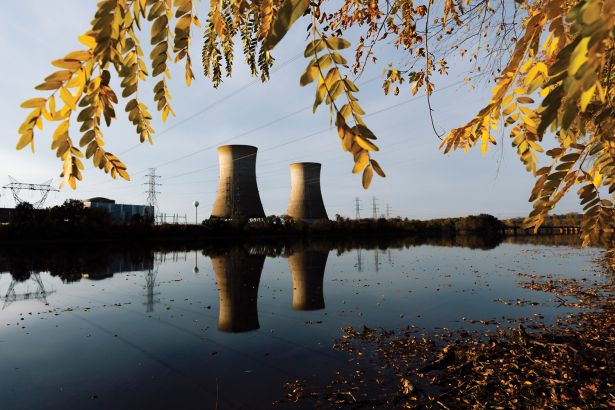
column 420, row 183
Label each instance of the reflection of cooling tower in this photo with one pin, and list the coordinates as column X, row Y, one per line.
column 308, row 270
column 305, row 197
column 237, row 190
column 238, row 274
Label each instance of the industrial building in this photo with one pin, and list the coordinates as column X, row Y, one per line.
column 237, row 194
column 305, row 197
column 307, row 268
column 120, row 213
column 237, row 275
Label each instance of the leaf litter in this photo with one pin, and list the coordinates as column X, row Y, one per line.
column 566, row 364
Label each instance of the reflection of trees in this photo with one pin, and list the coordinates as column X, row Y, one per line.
column 238, row 273
column 548, row 240
column 307, row 267
column 72, row 264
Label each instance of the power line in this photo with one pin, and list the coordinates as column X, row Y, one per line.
column 212, row 105
column 317, row 132
column 273, row 122
column 250, row 131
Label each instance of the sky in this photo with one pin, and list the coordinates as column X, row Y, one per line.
column 276, row 117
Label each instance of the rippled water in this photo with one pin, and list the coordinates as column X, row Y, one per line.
column 227, row 327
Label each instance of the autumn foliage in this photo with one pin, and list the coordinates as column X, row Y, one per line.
column 551, row 63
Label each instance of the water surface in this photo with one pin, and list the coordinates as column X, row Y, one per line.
column 104, row 327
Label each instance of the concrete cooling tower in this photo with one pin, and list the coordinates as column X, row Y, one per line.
column 308, row 270
column 238, row 274
column 237, row 194
column 305, row 198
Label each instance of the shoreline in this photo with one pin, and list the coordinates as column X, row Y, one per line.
column 567, row 363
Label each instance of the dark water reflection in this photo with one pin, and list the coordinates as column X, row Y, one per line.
column 206, row 325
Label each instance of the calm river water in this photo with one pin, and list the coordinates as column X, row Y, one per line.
column 105, row 328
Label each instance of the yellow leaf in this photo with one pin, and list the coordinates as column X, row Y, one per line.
column 33, row 103
column 68, row 98
column 62, row 75
column 67, row 64
column 47, row 86
column 524, row 100
column 586, row 97
column 87, row 40
column 25, row 139
column 337, row 43
column 535, row 146
column 61, row 131
column 72, row 182
column 313, row 47
column 360, row 162
column 308, row 76
column 509, row 109
column 165, row 113
column 591, row 12
column 288, row 13
column 368, row 174
column 52, row 105
column 365, row 144
column 579, row 56
column 78, row 55
column 597, row 179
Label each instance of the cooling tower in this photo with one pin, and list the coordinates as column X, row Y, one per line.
column 238, row 274
column 308, row 269
column 305, row 198
column 237, row 194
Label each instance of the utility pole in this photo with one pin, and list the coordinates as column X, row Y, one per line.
column 152, row 184
column 374, row 208
column 357, row 208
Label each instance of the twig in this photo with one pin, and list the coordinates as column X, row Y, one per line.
column 433, row 126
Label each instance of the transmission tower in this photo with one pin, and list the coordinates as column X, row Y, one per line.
column 16, row 187
column 357, row 208
column 152, row 184
column 388, row 211
column 39, row 294
column 150, row 293
column 374, row 208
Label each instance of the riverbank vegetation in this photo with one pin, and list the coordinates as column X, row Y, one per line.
column 73, row 221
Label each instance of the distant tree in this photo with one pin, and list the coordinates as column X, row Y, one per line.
column 551, row 62
column 23, row 214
